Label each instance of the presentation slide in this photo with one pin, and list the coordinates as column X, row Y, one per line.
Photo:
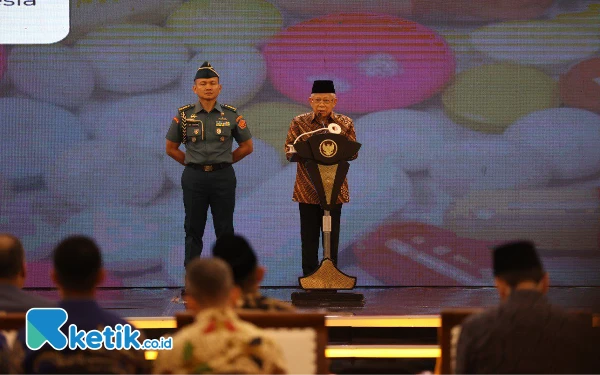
column 479, row 123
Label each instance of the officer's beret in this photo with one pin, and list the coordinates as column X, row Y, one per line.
column 516, row 256
column 323, row 87
column 206, row 71
column 236, row 251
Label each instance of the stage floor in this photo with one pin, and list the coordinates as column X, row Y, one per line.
column 163, row 302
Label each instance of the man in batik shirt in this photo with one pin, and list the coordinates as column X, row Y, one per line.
column 218, row 341
column 322, row 101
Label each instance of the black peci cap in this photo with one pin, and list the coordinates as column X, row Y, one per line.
column 516, row 256
column 323, row 87
column 236, row 251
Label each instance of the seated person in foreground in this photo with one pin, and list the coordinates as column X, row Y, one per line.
column 525, row 334
column 12, row 298
column 218, row 341
column 12, row 278
column 77, row 272
column 247, row 274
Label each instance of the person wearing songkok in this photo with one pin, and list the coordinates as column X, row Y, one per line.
column 247, row 274
column 218, row 342
column 526, row 333
column 207, row 129
column 322, row 101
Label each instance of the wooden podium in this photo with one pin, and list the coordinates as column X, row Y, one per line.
column 325, row 157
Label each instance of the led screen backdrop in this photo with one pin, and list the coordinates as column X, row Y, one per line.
column 480, row 123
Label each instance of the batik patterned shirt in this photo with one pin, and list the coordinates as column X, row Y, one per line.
column 304, row 190
column 256, row 301
column 218, row 342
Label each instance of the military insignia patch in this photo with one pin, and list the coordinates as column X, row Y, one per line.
column 242, row 124
column 185, row 107
column 227, row 106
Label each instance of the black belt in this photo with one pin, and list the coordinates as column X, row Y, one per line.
column 208, row 167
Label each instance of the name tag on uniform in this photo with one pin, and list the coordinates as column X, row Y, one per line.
column 223, row 123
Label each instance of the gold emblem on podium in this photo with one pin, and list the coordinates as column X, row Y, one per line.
column 328, row 148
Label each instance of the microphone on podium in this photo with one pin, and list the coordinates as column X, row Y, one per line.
column 332, row 128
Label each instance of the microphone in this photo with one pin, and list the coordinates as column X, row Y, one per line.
column 332, row 128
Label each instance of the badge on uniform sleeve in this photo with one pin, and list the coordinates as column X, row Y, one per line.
column 218, row 130
column 241, row 122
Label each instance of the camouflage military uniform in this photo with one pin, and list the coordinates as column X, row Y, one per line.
column 219, row 342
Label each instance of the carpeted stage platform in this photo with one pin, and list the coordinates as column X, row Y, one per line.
column 395, row 301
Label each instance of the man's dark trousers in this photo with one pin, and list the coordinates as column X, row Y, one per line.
column 202, row 189
column 311, row 221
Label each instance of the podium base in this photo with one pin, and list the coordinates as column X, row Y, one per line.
column 327, row 298
column 322, row 288
column 327, row 276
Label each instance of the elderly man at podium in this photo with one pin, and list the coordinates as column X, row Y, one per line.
column 323, row 101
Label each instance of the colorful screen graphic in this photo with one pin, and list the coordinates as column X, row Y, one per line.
column 479, row 123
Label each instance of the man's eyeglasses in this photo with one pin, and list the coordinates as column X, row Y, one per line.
column 324, row 101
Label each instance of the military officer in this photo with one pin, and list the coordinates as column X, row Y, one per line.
column 207, row 129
